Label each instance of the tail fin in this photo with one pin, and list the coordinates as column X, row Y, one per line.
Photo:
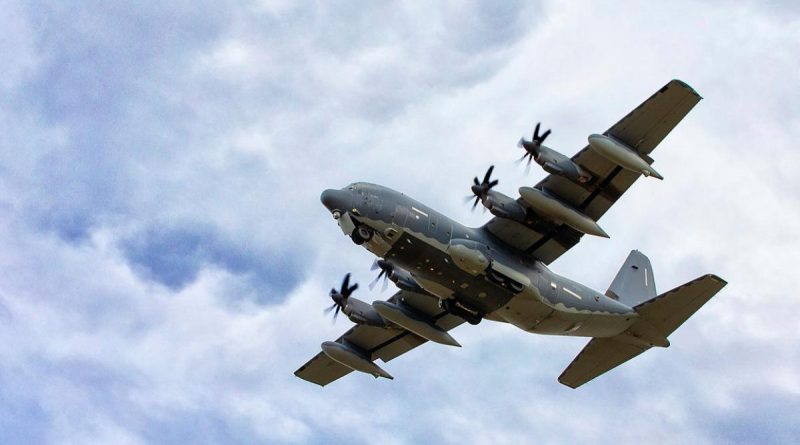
column 658, row 318
column 634, row 282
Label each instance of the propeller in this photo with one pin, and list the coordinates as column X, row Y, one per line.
column 532, row 147
column 481, row 189
column 340, row 297
column 386, row 269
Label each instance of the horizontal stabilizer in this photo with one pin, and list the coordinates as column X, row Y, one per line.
column 597, row 357
column 659, row 317
column 669, row 310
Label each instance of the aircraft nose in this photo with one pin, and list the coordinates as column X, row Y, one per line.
column 335, row 199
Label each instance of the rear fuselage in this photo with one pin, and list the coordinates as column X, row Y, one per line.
column 471, row 268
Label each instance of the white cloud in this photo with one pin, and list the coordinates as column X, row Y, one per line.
column 233, row 121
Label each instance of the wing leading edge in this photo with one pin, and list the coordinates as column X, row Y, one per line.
column 642, row 129
column 378, row 343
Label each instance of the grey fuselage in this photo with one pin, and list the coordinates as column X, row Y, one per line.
column 471, row 268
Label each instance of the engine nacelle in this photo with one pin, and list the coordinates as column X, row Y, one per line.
column 503, row 206
column 360, row 312
column 404, row 280
column 558, row 164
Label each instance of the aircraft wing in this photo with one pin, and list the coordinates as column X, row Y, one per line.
column 642, row 129
column 379, row 343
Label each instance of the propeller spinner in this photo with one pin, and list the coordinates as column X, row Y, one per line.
column 532, row 147
column 386, row 270
column 340, row 297
column 480, row 190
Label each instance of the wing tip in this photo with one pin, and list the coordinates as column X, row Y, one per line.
column 716, row 278
column 567, row 383
column 685, row 86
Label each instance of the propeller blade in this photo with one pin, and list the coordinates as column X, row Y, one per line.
column 345, row 283
column 544, row 136
column 375, row 264
column 488, row 174
column 385, row 282
column 481, row 189
column 536, row 131
column 328, row 310
column 375, row 281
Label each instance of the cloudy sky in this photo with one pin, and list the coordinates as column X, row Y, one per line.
column 165, row 257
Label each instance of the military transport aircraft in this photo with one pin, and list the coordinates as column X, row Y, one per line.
column 448, row 273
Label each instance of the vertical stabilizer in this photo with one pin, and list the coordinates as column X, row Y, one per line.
column 634, row 282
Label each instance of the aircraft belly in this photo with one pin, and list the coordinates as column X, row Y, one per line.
column 431, row 266
column 525, row 312
column 530, row 314
column 586, row 324
column 603, row 325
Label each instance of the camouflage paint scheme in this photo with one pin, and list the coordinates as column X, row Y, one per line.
column 449, row 274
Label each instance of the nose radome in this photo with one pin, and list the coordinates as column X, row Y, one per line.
column 334, row 199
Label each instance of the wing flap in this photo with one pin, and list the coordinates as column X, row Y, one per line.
column 599, row 356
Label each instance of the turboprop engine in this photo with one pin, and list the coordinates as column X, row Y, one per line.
column 356, row 310
column 497, row 203
column 399, row 276
column 551, row 160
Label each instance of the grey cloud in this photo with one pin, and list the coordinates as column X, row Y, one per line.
column 174, row 255
column 186, row 138
column 198, row 426
column 371, row 60
column 22, row 417
column 765, row 417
